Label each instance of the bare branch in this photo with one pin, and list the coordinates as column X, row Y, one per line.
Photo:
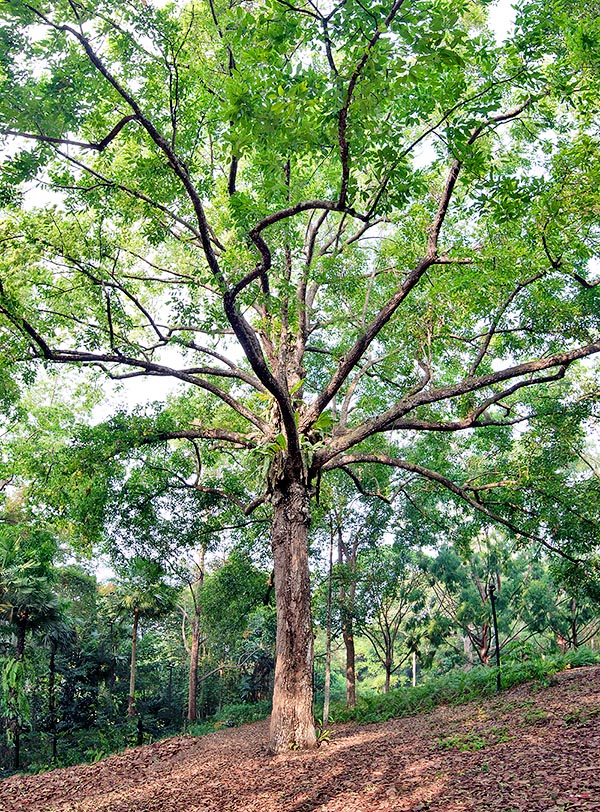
column 343, row 115
column 98, row 146
column 496, row 320
column 360, row 487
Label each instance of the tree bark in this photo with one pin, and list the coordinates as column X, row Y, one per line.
column 573, row 624
column 131, row 712
column 193, row 678
column 388, row 676
column 292, row 722
column 347, row 609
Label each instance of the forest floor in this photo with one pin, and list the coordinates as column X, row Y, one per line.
column 530, row 749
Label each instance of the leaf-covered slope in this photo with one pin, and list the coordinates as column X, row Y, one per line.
column 530, row 749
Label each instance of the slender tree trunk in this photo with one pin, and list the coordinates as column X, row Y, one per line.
column 414, row 669
column 468, row 649
column 348, row 635
column 52, row 701
column 194, row 657
column 327, row 693
column 483, row 645
column 388, row 677
column 112, row 677
column 201, row 703
column 195, row 644
column 574, row 633
column 14, row 723
column 292, row 722
column 496, row 637
column 131, row 712
column 348, row 628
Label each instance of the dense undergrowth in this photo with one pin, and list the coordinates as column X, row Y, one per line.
column 454, row 688
column 458, row 687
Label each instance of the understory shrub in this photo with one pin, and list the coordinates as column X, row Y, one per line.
column 458, row 687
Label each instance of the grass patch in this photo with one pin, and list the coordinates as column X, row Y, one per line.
column 469, row 742
column 582, row 716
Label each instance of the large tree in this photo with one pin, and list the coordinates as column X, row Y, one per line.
column 342, row 223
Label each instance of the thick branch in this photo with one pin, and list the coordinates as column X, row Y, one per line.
column 201, row 433
column 472, row 419
column 42, row 349
column 391, row 417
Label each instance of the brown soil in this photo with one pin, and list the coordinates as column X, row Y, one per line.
column 530, row 750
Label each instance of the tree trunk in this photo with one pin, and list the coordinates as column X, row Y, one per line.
column 573, row 623
column 193, row 680
column 131, row 698
column 348, row 635
column 388, row 677
column 483, row 644
column 347, row 608
column 14, row 723
column 195, row 644
column 327, row 692
column 292, row 722
column 468, row 650
column 52, row 700
column 112, row 677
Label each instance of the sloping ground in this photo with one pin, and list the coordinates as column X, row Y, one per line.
column 531, row 749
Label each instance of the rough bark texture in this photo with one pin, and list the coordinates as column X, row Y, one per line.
column 292, row 723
